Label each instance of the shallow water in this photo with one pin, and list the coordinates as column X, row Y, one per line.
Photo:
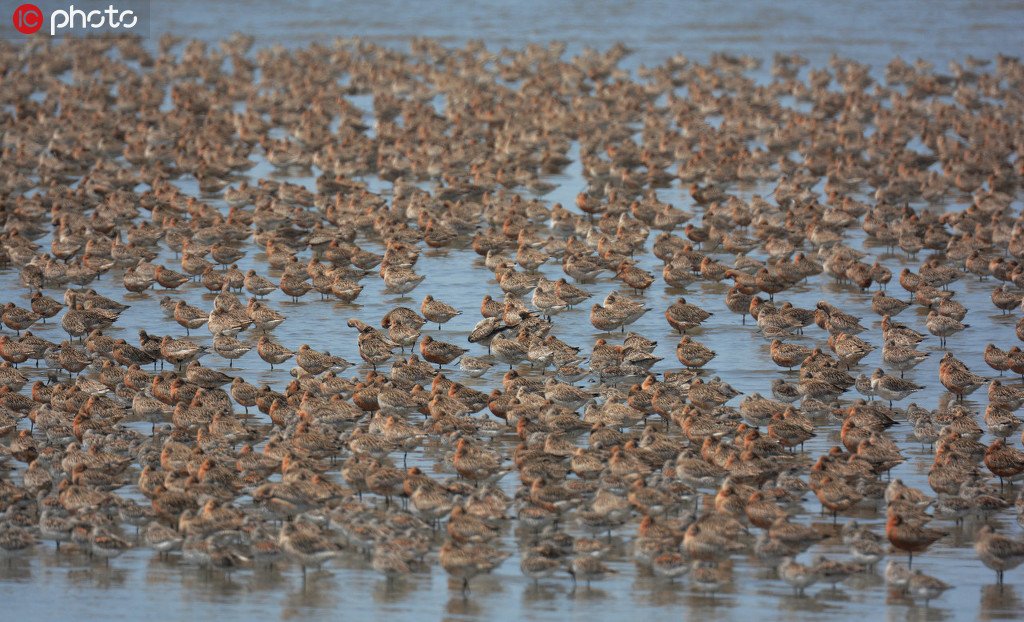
column 49, row 585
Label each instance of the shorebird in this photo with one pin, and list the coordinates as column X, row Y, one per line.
column 835, row 495
column 437, row 311
column 474, row 366
column 1004, row 395
column 897, row 575
column 1006, row 462
column 957, row 378
column 180, row 351
column 318, row 362
column 374, row 347
column 440, row 352
column 604, row 319
column 188, row 316
column 306, row 546
column 586, row 568
column 625, row 308
column 788, row 355
column 849, row 348
column 797, row 575
column 227, row 323
column 571, row 294
column 886, row 305
column 400, row 280
column 205, row 377
column 294, row 286
column 467, row 561
column 926, row 586
column 901, row 357
column 508, row 351
column 708, row 576
column 262, row 316
column 943, row 326
column 16, row 542
column 44, row 306
column 169, row 279
column 272, row 352
column 892, row 388
column 908, row 537
column 692, row 354
column 547, row 302
column 258, row 285
column 682, row 315
column 996, row 358
column 636, row 278
column 998, row 552
column 836, row 321
column 106, row 545
column 230, row 348
column 486, row 330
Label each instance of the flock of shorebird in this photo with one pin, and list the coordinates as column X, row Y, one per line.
column 578, row 445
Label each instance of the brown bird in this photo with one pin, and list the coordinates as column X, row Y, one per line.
column 998, row 552
column 910, row 538
column 169, row 279
column 637, row 279
column 272, row 352
column 1004, row 461
column 440, row 352
column 437, row 311
column 770, row 283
